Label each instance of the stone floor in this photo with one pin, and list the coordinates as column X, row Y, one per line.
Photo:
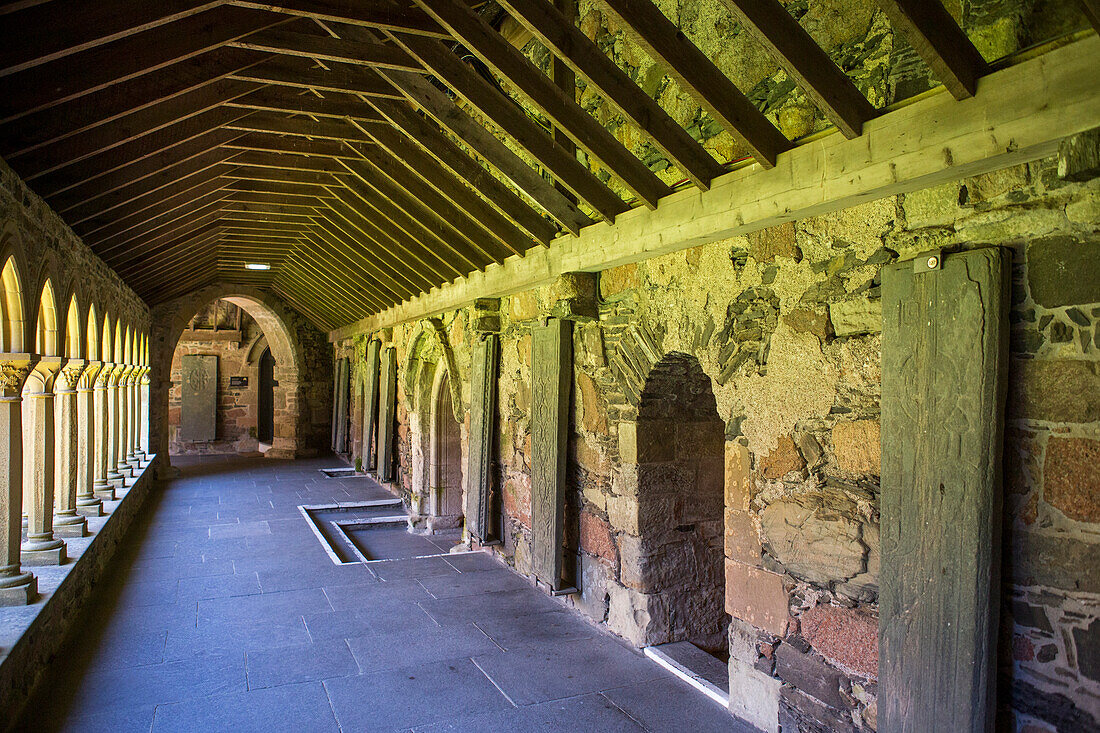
column 225, row 613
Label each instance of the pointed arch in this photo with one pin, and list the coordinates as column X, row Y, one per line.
column 74, row 332
column 119, row 344
column 47, row 331
column 106, row 345
column 91, row 333
column 11, row 303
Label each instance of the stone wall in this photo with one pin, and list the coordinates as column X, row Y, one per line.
column 237, row 407
column 303, row 370
column 45, row 247
column 785, row 325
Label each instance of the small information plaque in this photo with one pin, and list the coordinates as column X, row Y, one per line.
column 238, row 382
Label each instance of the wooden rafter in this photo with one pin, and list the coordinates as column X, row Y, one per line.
column 939, row 40
column 510, row 64
column 818, row 75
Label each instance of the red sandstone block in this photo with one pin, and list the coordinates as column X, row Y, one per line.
column 846, row 637
column 596, row 538
column 756, row 596
column 1071, row 477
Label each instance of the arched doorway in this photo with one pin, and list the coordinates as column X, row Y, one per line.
column 681, row 441
column 447, row 473
column 265, row 399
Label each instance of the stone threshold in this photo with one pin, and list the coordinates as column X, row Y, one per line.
column 31, row 635
column 699, row 669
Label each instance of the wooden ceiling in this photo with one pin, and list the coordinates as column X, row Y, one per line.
column 184, row 138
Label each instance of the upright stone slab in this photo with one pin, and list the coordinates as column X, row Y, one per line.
column 387, row 414
column 551, row 378
column 944, row 355
column 340, row 407
column 483, row 408
column 370, row 407
column 199, row 409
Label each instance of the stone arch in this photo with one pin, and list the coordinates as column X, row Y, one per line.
column 169, row 321
column 74, row 336
column 12, row 278
column 91, row 333
column 445, row 475
column 428, row 362
column 47, row 328
column 677, row 535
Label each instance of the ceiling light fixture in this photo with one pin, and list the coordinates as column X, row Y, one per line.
column 257, row 266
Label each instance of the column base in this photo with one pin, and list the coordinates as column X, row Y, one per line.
column 39, row 555
column 92, row 507
column 70, row 526
column 104, row 492
column 18, row 590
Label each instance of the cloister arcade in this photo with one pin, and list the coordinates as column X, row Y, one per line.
column 74, row 380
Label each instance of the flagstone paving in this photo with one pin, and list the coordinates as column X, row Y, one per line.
column 225, row 613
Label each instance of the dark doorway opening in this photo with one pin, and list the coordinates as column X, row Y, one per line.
column 265, row 408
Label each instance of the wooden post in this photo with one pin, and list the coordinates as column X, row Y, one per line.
column 944, row 356
column 551, row 379
column 483, row 408
column 387, row 415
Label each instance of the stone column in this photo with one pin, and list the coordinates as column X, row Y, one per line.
column 102, row 486
column 114, row 433
column 144, row 395
column 122, row 456
column 132, row 398
column 17, row 588
column 41, row 547
column 87, row 503
column 67, row 522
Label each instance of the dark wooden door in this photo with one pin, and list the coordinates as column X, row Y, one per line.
column 265, row 399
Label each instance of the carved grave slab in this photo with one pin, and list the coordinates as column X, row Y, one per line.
column 370, row 407
column 483, row 407
column 199, row 409
column 944, row 352
column 387, row 414
column 551, row 379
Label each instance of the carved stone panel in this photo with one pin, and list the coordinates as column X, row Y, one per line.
column 370, row 407
column 483, row 407
column 340, row 406
column 199, row 409
column 944, row 354
column 551, row 378
column 387, row 415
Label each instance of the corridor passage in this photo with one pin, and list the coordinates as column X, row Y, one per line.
column 224, row 613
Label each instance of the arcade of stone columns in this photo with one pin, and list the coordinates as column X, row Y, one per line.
column 75, row 390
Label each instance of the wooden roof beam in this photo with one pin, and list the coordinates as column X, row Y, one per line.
column 273, row 122
column 304, row 74
column 305, row 153
column 439, row 107
column 515, row 123
column 295, row 101
column 80, row 74
column 698, row 76
column 510, row 64
column 455, row 160
column 355, row 12
column 63, row 194
column 800, row 56
column 562, row 37
column 418, row 165
column 326, row 48
column 77, row 25
column 938, row 39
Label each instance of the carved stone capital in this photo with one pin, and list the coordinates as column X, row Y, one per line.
column 43, row 374
column 88, row 377
column 69, row 376
column 14, row 370
column 103, row 376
